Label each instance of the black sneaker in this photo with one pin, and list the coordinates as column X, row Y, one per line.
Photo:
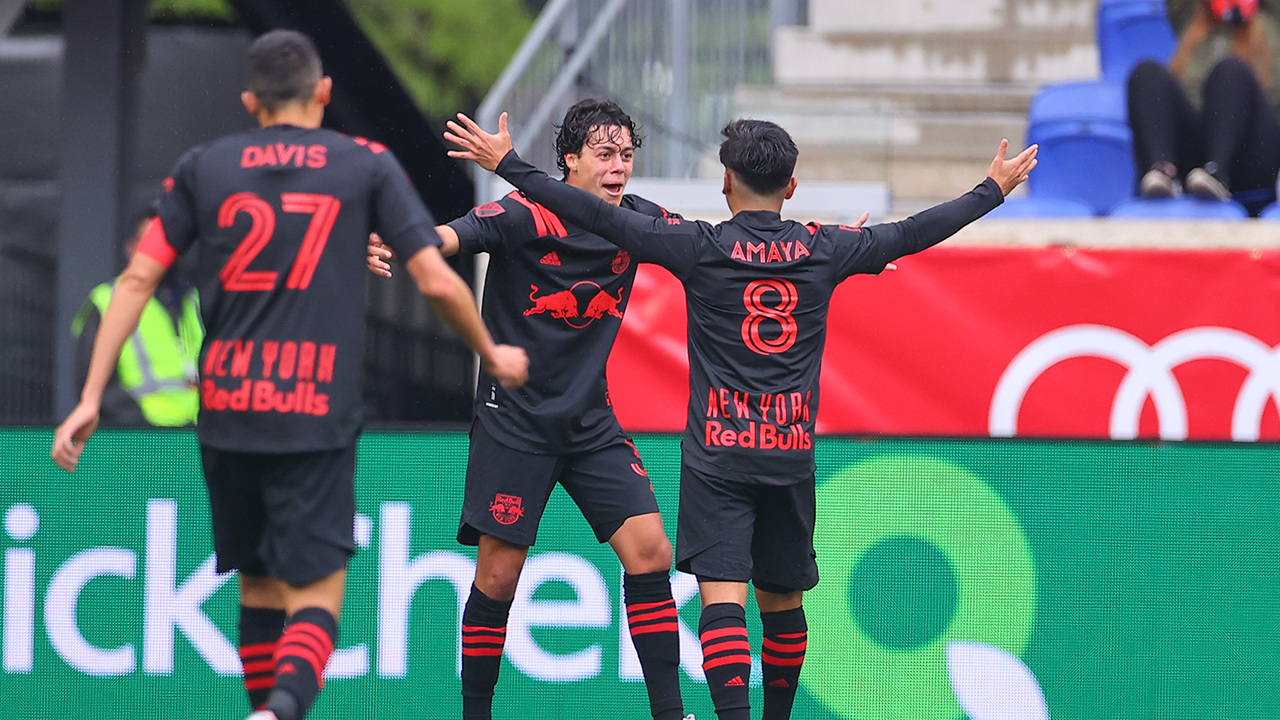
column 1161, row 181
column 1206, row 184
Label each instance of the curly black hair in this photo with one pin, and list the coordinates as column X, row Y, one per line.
column 761, row 153
column 572, row 134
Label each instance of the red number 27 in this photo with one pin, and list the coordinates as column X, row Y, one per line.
column 236, row 275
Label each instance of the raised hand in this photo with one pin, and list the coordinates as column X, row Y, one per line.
column 1009, row 174
column 378, row 256
column 486, row 149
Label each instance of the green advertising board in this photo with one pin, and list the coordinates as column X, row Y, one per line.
column 1073, row 580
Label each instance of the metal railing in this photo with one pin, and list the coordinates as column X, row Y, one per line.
column 671, row 64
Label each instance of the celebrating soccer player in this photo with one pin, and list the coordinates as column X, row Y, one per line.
column 280, row 215
column 758, row 292
column 560, row 292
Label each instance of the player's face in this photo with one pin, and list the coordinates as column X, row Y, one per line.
column 604, row 166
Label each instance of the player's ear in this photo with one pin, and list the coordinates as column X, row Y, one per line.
column 728, row 183
column 324, row 90
column 250, row 102
column 571, row 161
column 791, row 189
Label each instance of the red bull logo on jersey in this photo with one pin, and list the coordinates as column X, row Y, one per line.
column 774, row 421
column 507, row 509
column 307, row 366
column 567, row 304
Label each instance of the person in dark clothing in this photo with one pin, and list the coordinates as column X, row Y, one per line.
column 1208, row 121
column 758, row 290
column 559, row 292
column 280, row 215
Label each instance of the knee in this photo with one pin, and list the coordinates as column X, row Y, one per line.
column 1231, row 70
column 653, row 555
column 1149, row 73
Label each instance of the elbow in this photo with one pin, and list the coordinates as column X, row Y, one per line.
column 439, row 285
column 132, row 280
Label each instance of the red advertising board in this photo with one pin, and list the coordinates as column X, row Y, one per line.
column 1049, row 342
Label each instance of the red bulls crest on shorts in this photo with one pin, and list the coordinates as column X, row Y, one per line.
column 567, row 305
column 507, row 509
column 621, row 262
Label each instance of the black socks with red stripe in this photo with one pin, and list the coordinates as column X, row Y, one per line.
column 651, row 615
column 301, row 654
column 726, row 659
column 260, row 629
column 484, row 630
column 786, row 635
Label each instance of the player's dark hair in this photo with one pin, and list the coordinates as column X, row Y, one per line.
column 282, row 67
column 760, row 153
column 573, row 134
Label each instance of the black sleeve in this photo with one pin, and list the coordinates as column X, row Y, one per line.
column 495, row 227
column 646, row 207
column 176, row 206
column 879, row 245
column 671, row 242
column 398, row 214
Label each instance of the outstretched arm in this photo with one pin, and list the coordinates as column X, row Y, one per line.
column 378, row 256
column 930, row 227
column 670, row 242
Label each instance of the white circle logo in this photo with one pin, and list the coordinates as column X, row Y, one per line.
column 1150, row 374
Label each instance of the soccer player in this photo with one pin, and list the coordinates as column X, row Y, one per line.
column 281, row 215
column 758, row 290
column 560, row 292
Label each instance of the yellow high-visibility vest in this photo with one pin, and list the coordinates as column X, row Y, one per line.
column 158, row 364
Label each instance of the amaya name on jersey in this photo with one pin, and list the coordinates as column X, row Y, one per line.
column 778, row 251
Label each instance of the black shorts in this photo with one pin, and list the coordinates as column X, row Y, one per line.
column 288, row 516
column 507, row 490
column 736, row 532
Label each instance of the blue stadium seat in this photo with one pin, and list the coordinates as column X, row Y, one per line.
column 1040, row 207
column 1130, row 31
column 1087, row 101
column 1086, row 147
column 1183, row 208
column 1270, row 212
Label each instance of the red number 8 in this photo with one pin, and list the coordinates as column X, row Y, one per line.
column 753, row 298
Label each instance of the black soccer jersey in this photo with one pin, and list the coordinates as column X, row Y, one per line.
column 758, row 289
column 281, row 217
column 559, row 292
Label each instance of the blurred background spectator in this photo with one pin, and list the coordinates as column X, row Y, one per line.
column 155, row 380
column 1206, row 122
